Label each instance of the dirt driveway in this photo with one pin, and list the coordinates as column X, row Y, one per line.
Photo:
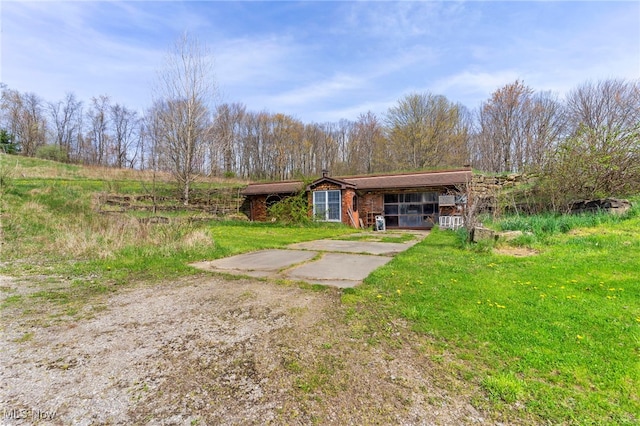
column 211, row 351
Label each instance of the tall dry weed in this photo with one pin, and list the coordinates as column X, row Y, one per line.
column 104, row 236
column 197, row 238
column 39, row 231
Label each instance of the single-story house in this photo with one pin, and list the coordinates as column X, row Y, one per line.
column 417, row 200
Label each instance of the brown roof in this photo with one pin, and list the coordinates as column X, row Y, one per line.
column 392, row 181
column 284, row 187
column 411, row 180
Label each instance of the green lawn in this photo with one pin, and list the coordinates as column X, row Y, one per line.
column 553, row 337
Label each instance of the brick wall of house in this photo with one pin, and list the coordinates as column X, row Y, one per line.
column 346, row 198
column 370, row 204
column 347, row 206
column 258, row 208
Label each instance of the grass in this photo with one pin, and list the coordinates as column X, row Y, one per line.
column 51, row 227
column 548, row 224
column 553, row 338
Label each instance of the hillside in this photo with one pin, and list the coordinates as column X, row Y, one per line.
column 540, row 330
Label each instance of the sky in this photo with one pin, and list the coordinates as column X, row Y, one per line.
column 319, row 61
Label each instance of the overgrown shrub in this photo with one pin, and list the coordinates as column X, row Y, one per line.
column 594, row 163
column 52, row 152
column 291, row 210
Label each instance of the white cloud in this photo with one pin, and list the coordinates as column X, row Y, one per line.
column 323, row 59
column 56, row 48
column 403, row 20
column 252, row 61
column 338, row 85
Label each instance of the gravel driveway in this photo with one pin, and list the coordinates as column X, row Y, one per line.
column 210, row 351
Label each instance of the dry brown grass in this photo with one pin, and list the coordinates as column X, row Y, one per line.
column 197, row 238
column 516, row 251
column 98, row 236
column 54, row 170
column 103, row 236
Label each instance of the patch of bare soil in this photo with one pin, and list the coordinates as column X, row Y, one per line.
column 516, row 251
column 211, row 351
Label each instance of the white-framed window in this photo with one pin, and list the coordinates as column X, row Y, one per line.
column 327, row 206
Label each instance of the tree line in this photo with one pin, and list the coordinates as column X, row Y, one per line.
column 592, row 132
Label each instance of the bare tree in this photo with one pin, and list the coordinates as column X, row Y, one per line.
column 10, row 106
column 591, row 165
column 502, row 129
column 342, row 131
column 25, row 119
column 404, row 124
column 601, row 156
column 97, row 139
column 367, row 141
column 546, row 127
column 226, row 137
column 286, row 135
column 605, row 106
column 517, row 129
column 184, row 93
column 124, row 123
column 425, row 130
column 255, row 145
column 66, row 118
column 315, row 140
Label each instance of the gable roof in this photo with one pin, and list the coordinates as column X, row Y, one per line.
column 325, row 179
column 372, row 182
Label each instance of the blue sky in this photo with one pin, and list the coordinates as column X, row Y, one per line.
column 319, row 61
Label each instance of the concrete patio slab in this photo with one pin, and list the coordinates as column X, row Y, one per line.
column 263, row 263
column 337, row 269
column 341, row 263
column 369, row 247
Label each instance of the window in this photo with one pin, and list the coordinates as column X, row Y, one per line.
column 327, row 206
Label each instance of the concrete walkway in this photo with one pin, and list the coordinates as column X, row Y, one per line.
column 336, row 263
